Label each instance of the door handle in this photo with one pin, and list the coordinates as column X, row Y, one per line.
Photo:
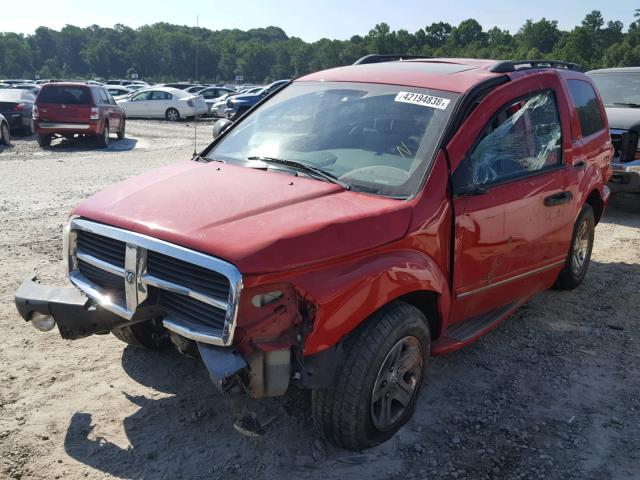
column 558, row 199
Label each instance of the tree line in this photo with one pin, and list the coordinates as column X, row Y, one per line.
column 166, row 52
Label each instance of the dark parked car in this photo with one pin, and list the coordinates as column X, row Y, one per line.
column 70, row 109
column 17, row 107
column 238, row 105
column 620, row 91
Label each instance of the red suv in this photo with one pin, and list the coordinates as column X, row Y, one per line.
column 345, row 229
column 69, row 109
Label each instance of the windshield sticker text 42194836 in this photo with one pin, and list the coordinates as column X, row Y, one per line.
column 422, row 99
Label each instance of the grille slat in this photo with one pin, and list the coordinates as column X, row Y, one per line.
column 100, row 277
column 104, row 248
column 191, row 309
column 188, row 275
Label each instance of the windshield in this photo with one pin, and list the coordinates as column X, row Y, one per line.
column 618, row 89
column 374, row 138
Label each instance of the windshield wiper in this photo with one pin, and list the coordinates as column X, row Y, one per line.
column 303, row 167
column 627, row 104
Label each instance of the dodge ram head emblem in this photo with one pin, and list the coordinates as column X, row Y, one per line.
column 129, row 276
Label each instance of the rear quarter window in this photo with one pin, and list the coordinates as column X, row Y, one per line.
column 587, row 105
column 67, row 95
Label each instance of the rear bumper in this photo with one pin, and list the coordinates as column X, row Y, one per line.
column 624, row 180
column 50, row 128
column 17, row 120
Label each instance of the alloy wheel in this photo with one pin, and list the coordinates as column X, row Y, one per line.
column 396, row 383
column 580, row 248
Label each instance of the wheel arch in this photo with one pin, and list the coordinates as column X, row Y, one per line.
column 597, row 203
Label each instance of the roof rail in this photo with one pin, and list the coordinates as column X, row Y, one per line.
column 386, row 57
column 507, row 66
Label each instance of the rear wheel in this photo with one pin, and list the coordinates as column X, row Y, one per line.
column 577, row 263
column 103, row 139
column 28, row 129
column 379, row 381
column 122, row 130
column 43, row 140
column 149, row 334
column 5, row 134
column 172, row 115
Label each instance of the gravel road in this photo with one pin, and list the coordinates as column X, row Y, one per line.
column 553, row 393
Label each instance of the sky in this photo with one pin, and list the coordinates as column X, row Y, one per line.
column 310, row 21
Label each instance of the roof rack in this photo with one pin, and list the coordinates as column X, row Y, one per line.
column 386, row 57
column 512, row 65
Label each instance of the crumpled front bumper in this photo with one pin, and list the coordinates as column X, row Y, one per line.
column 74, row 313
column 77, row 316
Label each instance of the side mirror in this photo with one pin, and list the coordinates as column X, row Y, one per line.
column 221, row 126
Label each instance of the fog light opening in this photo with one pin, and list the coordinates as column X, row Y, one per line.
column 263, row 299
column 42, row 322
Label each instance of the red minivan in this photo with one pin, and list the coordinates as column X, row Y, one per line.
column 70, row 109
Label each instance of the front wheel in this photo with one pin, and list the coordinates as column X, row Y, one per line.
column 172, row 115
column 380, row 379
column 150, row 334
column 577, row 263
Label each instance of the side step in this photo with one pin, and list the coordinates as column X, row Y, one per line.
column 463, row 333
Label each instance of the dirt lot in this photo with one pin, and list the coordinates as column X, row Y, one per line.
column 552, row 393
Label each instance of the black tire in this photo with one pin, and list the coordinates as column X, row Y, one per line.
column 579, row 257
column 150, row 334
column 28, row 130
column 5, row 134
column 346, row 413
column 172, row 115
column 103, row 138
column 121, row 132
column 43, row 140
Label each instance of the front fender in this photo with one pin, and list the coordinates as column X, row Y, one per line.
column 348, row 293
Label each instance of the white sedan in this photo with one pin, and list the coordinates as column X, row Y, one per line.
column 163, row 102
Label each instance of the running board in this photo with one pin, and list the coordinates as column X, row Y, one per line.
column 462, row 333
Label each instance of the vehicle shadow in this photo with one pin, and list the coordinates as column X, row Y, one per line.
column 187, row 418
column 88, row 144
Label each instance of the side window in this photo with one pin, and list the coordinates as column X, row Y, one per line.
column 589, row 114
column 104, row 97
column 158, row 95
column 208, row 93
column 141, row 97
column 522, row 138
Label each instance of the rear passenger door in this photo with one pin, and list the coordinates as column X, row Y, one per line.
column 160, row 103
column 514, row 213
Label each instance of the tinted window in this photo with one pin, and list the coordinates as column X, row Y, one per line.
column 66, row 95
column 161, row 96
column 584, row 98
column 522, row 138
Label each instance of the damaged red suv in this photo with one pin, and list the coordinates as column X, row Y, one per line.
column 344, row 230
column 75, row 109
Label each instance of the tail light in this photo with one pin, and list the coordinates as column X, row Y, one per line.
column 36, row 113
column 18, row 108
column 95, row 114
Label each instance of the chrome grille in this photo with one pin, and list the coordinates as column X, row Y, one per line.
column 121, row 270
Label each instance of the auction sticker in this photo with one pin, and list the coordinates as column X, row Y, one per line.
column 422, row 99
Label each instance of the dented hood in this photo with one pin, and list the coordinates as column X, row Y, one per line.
column 261, row 221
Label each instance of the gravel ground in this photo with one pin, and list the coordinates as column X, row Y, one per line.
column 553, row 393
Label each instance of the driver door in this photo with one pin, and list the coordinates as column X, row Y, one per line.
column 139, row 104
column 513, row 205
